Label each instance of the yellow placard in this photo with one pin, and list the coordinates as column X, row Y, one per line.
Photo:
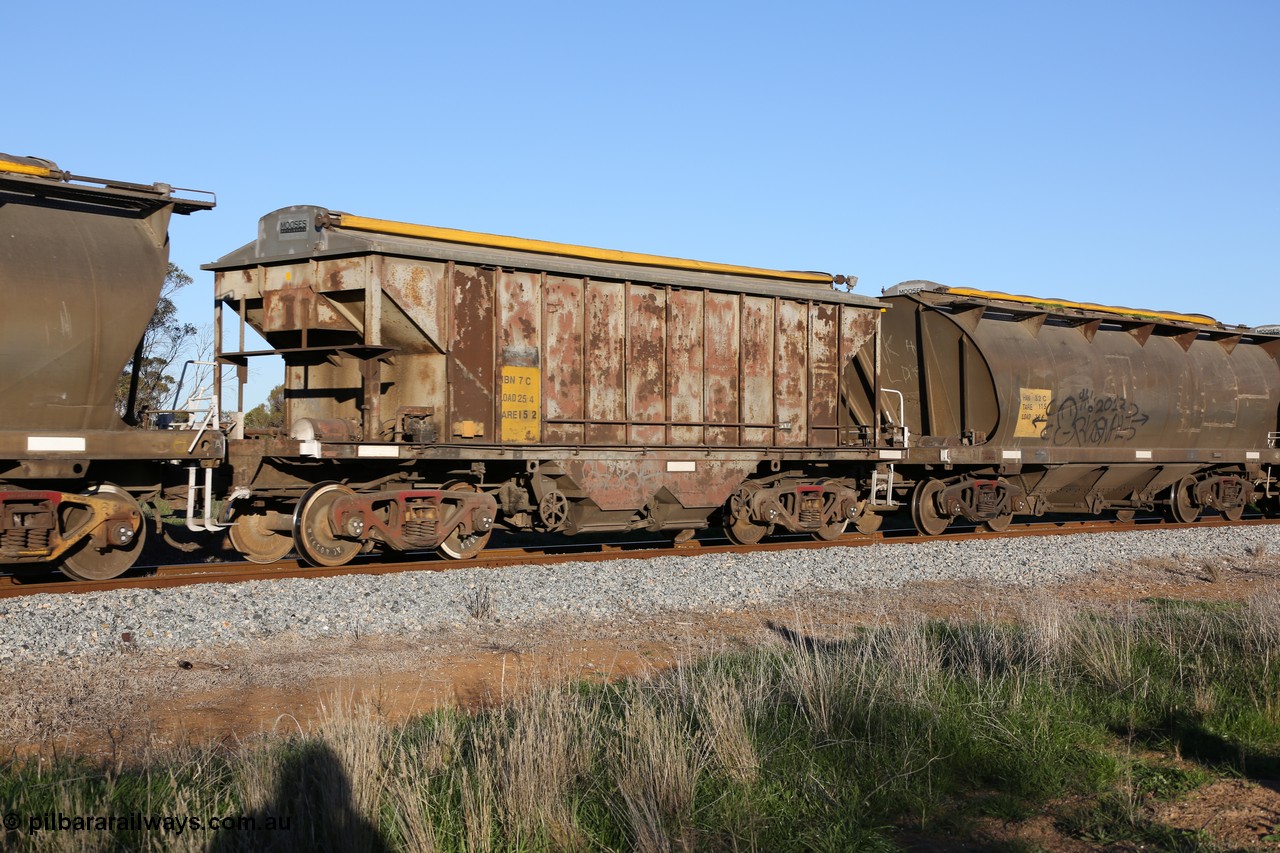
column 1033, row 413
column 521, row 405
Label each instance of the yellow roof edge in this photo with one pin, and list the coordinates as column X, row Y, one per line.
column 1086, row 306
column 475, row 238
column 24, row 168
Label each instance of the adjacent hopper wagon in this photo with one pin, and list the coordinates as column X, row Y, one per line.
column 82, row 262
column 1017, row 404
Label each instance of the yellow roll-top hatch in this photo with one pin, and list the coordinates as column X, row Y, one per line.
column 33, row 166
column 1166, row 316
column 1049, row 304
column 473, row 238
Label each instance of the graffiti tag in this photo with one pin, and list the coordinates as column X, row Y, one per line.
column 1085, row 419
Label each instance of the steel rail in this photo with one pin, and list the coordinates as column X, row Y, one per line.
column 164, row 577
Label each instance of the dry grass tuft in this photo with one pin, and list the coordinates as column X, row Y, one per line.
column 656, row 763
column 721, row 707
column 1104, row 650
column 1046, row 624
column 413, row 812
column 538, row 747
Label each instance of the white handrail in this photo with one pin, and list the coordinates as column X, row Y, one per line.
column 902, row 415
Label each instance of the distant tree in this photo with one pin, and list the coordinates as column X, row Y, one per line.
column 268, row 415
column 162, row 342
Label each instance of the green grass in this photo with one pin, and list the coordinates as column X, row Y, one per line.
column 924, row 729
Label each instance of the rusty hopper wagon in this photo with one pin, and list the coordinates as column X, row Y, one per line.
column 1018, row 405
column 82, row 262
column 441, row 381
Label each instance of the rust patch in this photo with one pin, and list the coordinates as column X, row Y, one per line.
column 419, row 382
column 471, row 374
column 857, row 325
column 710, row 485
column 823, row 379
column 620, row 484
column 685, row 380
column 563, row 307
column 296, row 307
column 757, row 369
column 723, row 324
column 614, row 483
column 323, row 391
column 416, row 288
column 519, row 342
column 606, row 356
column 341, row 274
column 790, row 378
column 519, row 310
column 646, row 364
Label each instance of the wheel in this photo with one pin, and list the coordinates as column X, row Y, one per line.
column 746, row 532
column 868, row 522
column 832, row 531
column 258, row 543
column 1182, row 507
column 89, row 563
column 1126, row 515
column 999, row 524
column 1234, row 513
column 460, row 546
column 316, row 540
column 924, row 508
column 738, row 525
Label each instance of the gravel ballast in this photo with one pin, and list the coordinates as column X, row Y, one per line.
column 41, row 627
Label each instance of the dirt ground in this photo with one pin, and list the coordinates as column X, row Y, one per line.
column 141, row 703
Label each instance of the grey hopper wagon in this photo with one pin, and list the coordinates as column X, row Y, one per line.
column 448, row 381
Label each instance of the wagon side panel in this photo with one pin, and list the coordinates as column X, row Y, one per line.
column 564, row 373
column 646, row 364
column 519, row 368
column 606, row 342
column 723, row 368
column 471, row 362
column 824, row 353
column 757, row 370
column 685, row 366
column 791, row 373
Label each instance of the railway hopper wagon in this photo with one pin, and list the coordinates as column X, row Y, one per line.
column 441, row 382
column 82, row 263
column 1017, row 405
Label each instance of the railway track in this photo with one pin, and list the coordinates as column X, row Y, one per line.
column 162, row 577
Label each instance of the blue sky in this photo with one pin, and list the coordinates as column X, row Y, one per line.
column 1123, row 152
